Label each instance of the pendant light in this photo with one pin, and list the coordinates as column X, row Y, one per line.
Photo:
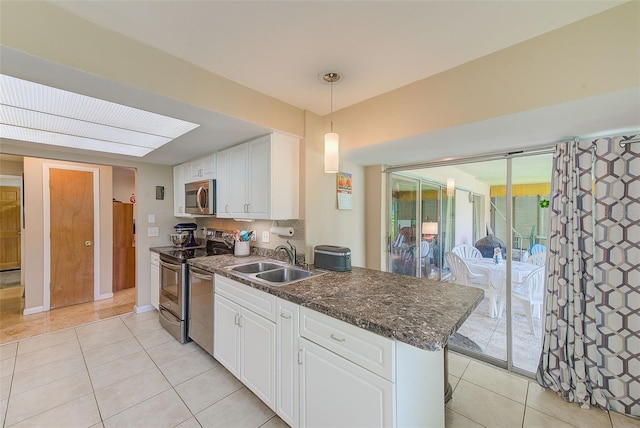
column 331, row 139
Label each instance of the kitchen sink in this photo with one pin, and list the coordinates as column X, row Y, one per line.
column 256, row 267
column 284, row 275
column 273, row 273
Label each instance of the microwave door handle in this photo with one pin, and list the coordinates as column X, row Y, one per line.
column 200, row 190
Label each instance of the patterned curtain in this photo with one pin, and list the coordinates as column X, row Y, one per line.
column 591, row 347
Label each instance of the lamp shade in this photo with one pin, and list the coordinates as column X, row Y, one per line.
column 430, row 228
column 331, row 152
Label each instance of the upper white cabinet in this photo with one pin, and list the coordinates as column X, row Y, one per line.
column 179, row 179
column 203, row 168
column 259, row 179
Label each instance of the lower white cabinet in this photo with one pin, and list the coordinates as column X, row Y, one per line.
column 287, row 384
column 154, row 280
column 245, row 342
column 336, row 392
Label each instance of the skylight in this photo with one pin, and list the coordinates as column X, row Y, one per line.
column 42, row 114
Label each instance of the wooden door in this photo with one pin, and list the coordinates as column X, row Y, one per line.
column 9, row 227
column 124, row 252
column 72, row 240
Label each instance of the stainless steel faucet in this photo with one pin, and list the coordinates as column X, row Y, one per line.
column 291, row 251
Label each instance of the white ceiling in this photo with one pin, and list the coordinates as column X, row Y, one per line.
column 280, row 48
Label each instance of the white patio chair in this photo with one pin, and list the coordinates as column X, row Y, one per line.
column 538, row 259
column 537, row 248
column 467, row 251
column 529, row 292
column 424, row 255
column 460, row 274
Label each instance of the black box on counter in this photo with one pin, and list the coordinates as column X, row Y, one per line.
column 332, row 257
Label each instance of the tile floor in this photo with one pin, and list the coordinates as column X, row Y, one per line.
column 127, row 371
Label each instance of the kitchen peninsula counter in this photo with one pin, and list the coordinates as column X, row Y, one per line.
column 420, row 312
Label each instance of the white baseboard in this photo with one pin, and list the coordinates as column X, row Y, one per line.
column 105, row 296
column 145, row 308
column 30, row 311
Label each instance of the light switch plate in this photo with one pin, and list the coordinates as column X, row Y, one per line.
column 152, row 218
column 153, row 231
column 265, row 236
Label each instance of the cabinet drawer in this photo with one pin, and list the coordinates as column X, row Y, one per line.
column 155, row 258
column 263, row 304
column 369, row 350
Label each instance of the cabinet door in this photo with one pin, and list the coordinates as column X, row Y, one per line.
column 209, row 167
column 196, row 170
column 178, row 191
column 259, row 176
column 222, row 184
column 238, row 181
column 336, row 392
column 287, row 384
column 226, row 340
column 154, row 281
column 258, row 356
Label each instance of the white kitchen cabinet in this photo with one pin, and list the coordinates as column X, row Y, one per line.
column 180, row 173
column 245, row 336
column 259, row 179
column 337, row 392
column 203, row 168
column 154, row 279
column 287, row 384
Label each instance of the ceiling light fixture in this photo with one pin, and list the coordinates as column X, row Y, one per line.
column 42, row 114
column 331, row 139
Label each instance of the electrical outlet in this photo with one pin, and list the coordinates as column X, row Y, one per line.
column 153, row 231
column 152, row 218
column 265, row 236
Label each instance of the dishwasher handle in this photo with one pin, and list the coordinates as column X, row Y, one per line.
column 199, row 275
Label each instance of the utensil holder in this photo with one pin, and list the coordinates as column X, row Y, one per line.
column 241, row 249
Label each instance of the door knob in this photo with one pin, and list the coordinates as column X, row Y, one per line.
column 88, row 243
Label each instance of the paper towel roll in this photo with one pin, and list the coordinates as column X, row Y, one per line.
column 283, row 231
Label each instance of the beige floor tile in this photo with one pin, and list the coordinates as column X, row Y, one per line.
column 131, row 391
column 5, row 386
column 132, row 317
column 485, row 407
column 46, row 340
column 8, row 351
column 104, row 354
column 536, row 419
column 275, row 422
column 163, row 410
column 7, row 365
column 58, row 352
column 144, row 326
column 453, row 380
column 208, row 388
column 499, row 381
column 170, row 351
column 457, row 364
column 547, row 401
column 98, row 425
column 81, row 412
column 456, row 420
column 154, row 338
column 3, row 409
column 42, row 375
column 241, row 409
column 190, row 423
column 622, row 421
column 38, row 400
column 106, row 337
column 120, row 369
column 188, row 366
column 99, row 326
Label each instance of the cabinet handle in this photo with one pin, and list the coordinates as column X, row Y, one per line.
column 237, row 320
column 300, row 356
column 240, row 318
column 285, row 316
column 248, row 208
column 226, row 208
column 336, row 338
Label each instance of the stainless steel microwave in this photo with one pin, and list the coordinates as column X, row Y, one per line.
column 200, row 197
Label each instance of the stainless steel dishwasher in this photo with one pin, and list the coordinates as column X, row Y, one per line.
column 200, row 311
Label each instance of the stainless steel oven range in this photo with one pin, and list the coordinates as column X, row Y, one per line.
column 174, row 283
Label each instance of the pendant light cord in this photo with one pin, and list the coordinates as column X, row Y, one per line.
column 332, row 105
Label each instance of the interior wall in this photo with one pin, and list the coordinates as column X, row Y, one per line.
column 10, row 167
column 147, row 178
column 324, row 223
column 124, row 184
column 375, row 218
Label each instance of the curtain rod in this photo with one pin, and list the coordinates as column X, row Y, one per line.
column 624, row 143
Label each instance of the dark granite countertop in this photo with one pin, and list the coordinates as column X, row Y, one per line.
column 421, row 312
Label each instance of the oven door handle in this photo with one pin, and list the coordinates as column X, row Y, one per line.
column 170, row 266
column 171, row 319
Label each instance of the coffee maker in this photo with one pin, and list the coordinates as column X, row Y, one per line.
column 186, row 232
